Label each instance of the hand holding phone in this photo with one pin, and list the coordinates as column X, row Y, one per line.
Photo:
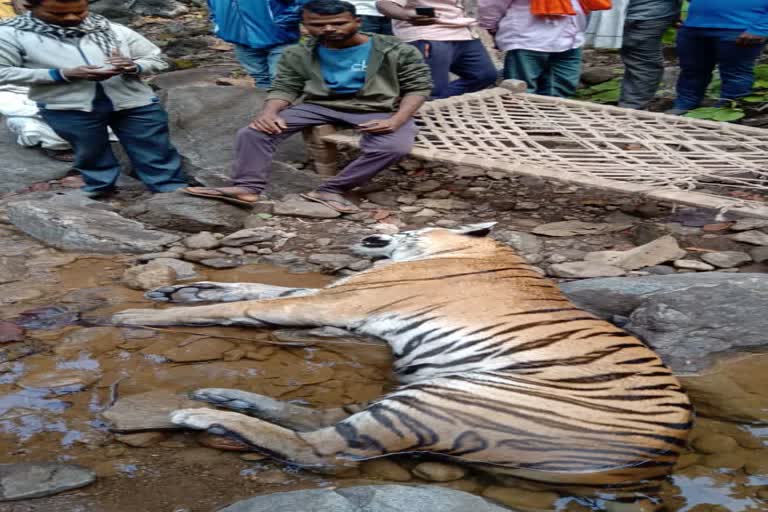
column 423, row 16
column 426, row 11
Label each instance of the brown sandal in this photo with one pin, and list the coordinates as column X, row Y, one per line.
column 343, row 205
column 220, row 194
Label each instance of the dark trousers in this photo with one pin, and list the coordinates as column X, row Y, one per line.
column 700, row 50
column 376, row 24
column 254, row 149
column 546, row 73
column 641, row 52
column 469, row 60
column 143, row 132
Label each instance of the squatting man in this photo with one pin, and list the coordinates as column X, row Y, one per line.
column 372, row 82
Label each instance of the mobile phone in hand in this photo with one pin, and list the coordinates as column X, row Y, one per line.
column 426, row 11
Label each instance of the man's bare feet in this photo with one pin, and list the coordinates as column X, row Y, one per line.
column 335, row 201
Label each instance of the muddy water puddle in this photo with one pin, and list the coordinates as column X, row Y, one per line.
column 51, row 404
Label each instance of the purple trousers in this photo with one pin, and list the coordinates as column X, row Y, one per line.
column 254, row 149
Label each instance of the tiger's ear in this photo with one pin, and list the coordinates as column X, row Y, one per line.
column 477, row 230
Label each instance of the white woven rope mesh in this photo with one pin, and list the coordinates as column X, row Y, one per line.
column 675, row 158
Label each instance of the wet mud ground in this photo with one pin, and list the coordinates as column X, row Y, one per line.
column 50, row 404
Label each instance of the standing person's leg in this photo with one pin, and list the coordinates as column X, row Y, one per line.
column 143, row 133
column 377, row 152
column 697, row 52
column 255, row 61
column 736, row 63
column 643, row 59
column 87, row 133
column 254, row 151
column 474, row 67
column 376, row 24
column 564, row 73
column 439, row 56
column 526, row 65
column 273, row 58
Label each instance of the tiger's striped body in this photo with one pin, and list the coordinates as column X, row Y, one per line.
column 497, row 368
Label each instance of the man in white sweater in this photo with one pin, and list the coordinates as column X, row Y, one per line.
column 84, row 73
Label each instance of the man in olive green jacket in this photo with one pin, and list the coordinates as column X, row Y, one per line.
column 374, row 83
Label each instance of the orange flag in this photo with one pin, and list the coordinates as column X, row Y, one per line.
column 565, row 7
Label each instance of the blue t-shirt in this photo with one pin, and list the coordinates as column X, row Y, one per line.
column 344, row 69
column 747, row 15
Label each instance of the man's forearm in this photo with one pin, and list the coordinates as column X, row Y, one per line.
column 274, row 106
column 408, row 106
column 392, row 10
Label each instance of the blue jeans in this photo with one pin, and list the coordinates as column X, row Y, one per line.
column 467, row 59
column 376, row 24
column 700, row 50
column 546, row 73
column 260, row 63
column 143, row 132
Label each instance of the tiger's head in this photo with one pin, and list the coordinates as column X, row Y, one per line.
column 422, row 243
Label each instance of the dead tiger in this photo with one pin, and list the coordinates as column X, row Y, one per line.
column 497, row 368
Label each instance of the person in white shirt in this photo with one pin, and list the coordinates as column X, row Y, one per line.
column 373, row 20
column 543, row 51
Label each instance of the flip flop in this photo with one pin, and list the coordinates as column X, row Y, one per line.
column 215, row 193
column 346, row 205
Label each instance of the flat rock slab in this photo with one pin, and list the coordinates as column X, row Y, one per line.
column 204, row 121
column 34, row 480
column 183, row 212
column 72, row 223
column 577, row 227
column 21, row 166
column 688, row 319
column 368, row 498
column 146, row 411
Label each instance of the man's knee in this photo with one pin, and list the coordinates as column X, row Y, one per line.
column 395, row 148
column 249, row 135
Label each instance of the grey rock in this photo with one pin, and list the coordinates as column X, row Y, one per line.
column 446, row 204
column 369, row 498
column 522, row 242
column 202, row 240
column 726, row 259
column 303, row 208
column 759, row 254
column 577, row 227
column 201, row 254
column 749, row 224
column 283, row 259
column 597, row 75
column 659, row 270
column 247, row 236
column 184, row 270
column 653, row 253
column 688, row 318
column 12, row 269
column 154, row 255
column 37, row 479
column 74, row 223
column 427, row 186
column 127, row 9
column 753, row 237
column 187, row 213
column 204, row 120
column 146, row 411
column 693, row 265
column 23, row 166
column 382, row 198
column 222, row 262
column 582, row 269
column 332, row 262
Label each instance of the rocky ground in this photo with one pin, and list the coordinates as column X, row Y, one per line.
column 690, row 281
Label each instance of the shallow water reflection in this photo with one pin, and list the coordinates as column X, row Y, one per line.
column 50, row 404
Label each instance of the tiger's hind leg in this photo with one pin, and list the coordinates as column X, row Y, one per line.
column 286, row 414
column 208, row 291
column 378, row 430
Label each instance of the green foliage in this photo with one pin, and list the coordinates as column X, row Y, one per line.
column 723, row 114
column 606, row 92
column 670, row 36
column 734, row 110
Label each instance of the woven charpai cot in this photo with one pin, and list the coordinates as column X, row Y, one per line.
column 676, row 159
